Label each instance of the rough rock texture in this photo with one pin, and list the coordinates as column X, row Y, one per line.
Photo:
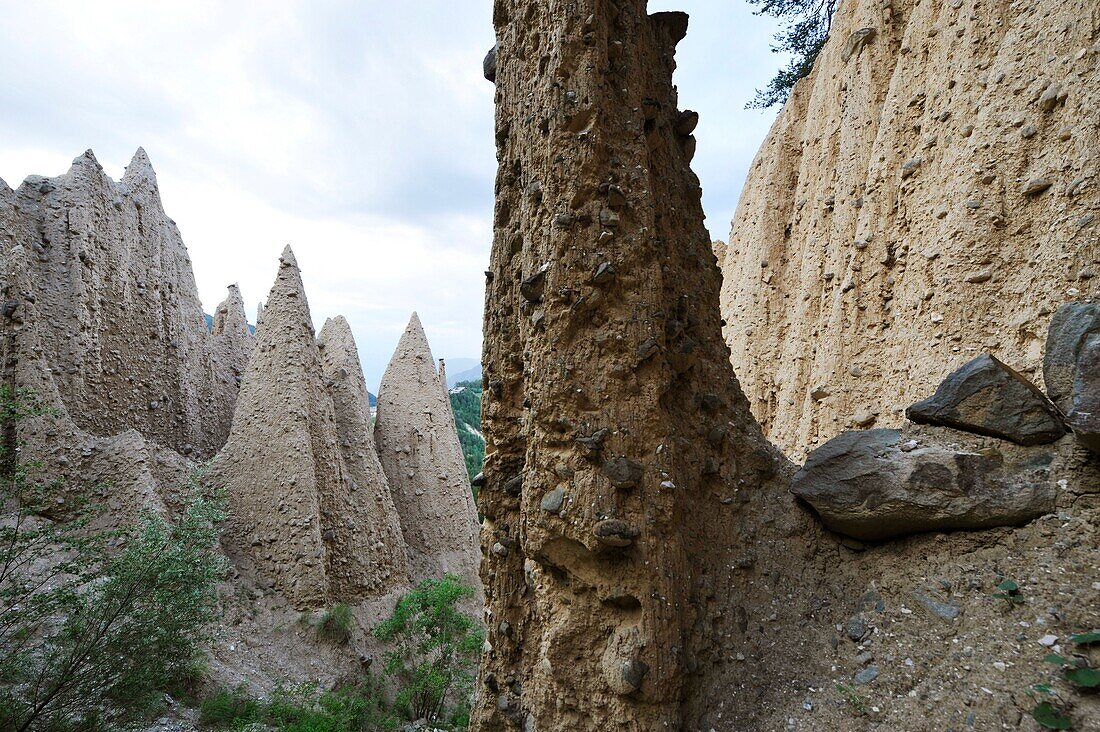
column 1071, row 368
column 1069, row 327
column 123, row 330
column 386, row 561
column 230, row 347
column 303, row 514
column 418, row 446
column 986, row 397
column 1084, row 416
column 934, row 196
column 124, row 473
column 619, row 448
column 877, row 484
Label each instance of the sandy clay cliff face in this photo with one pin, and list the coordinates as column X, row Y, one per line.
column 103, row 324
column 646, row 564
column 123, row 331
column 930, row 192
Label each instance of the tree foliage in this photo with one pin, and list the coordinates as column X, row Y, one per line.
column 435, row 651
column 466, row 405
column 807, row 24
column 87, row 635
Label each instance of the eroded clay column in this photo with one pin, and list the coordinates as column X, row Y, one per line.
column 618, row 443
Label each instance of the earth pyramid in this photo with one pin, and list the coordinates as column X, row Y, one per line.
column 306, row 507
column 420, row 452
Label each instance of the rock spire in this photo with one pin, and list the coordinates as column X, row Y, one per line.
column 419, row 449
column 306, row 509
column 230, row 347
column 619, row 448
column 125, row 337
column 369, row 506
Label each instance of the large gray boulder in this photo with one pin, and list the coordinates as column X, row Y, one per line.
column 876, row 484
column 987, row 397
column 1069, row 328
column 1084, row 413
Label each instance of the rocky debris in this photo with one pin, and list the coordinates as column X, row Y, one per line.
column 307, row 506
column 911, row 301
column 987, row 397
column 872, row 486
column 418, row 446
column 615, row 430
column 123, row 328
column 1070, row 327
column 944, row 610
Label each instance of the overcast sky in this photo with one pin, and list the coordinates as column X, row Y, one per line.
column 358, row 131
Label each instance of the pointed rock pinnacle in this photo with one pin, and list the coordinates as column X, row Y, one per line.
column 420, row 452
column 369, row 520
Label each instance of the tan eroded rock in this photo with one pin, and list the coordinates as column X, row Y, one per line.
column 230, row 347
column 299, row 512
column 123, row 473
column 619, row 448
column 124, row 332
column 369, row 511
column 418, row 446
column 929, row 192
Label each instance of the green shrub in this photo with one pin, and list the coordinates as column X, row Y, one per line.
column 302, row 708
column 336, row 624
column 229, row 709
column 88, row 639
column 435, row 653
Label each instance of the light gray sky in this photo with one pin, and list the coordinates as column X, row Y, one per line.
column 358, row 131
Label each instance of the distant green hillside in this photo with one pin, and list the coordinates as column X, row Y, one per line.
column 466, row 404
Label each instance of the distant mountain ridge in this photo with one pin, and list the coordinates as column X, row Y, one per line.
column 462, row 369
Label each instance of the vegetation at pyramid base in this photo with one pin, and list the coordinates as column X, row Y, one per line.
column 435, row 653
column 466, row 405
column 431, row 666
column 90, row 637
column 807, row 25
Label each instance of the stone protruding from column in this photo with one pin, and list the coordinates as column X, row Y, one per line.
column 369, row 511
column 298, row 512
column 620, row 450
column 418, row 445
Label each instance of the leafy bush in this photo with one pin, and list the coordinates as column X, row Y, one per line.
column 1052, row 711
column 302, row 708
column 87, row 638
column 229, row 708
column 436, row 650
column 336, row 624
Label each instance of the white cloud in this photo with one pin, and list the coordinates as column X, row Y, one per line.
column 359, row 132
